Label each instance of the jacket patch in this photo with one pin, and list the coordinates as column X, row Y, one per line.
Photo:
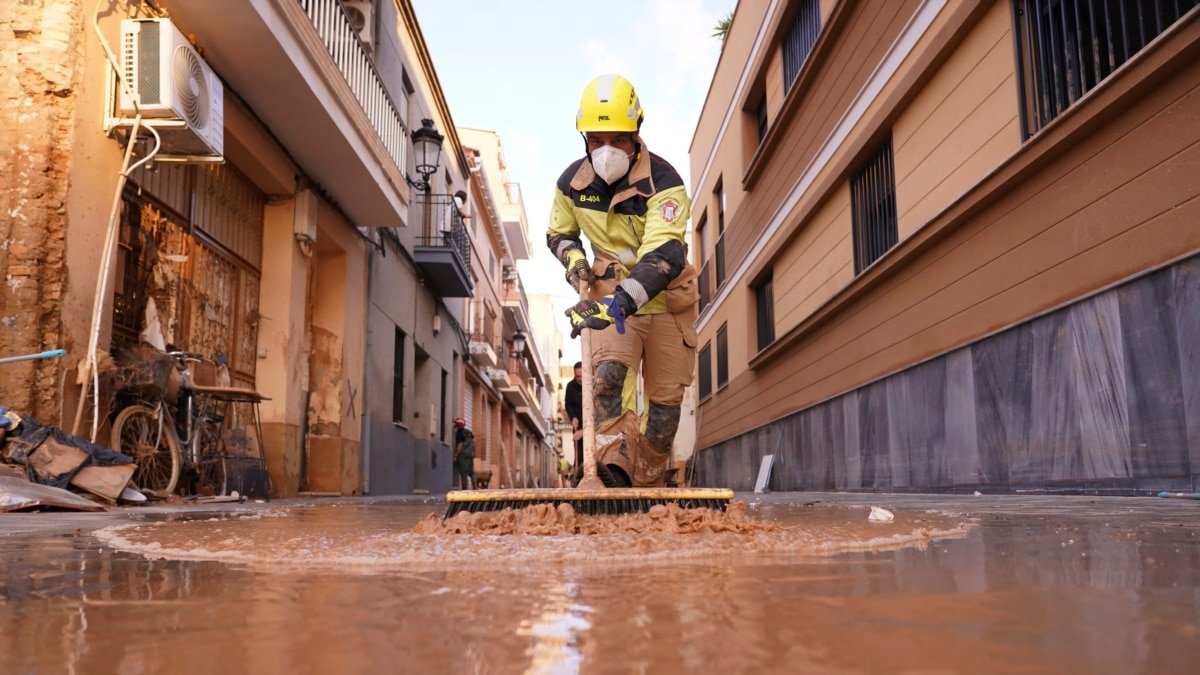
column 669, row 210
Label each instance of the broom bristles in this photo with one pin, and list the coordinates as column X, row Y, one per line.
column 607, row 501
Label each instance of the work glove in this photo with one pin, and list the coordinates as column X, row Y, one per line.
column 596, row 315
column 577, row 267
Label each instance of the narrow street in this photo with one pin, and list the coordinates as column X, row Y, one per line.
column 954, row 584
column 286, row 281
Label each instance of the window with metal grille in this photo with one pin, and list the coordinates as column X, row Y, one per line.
column 719, row 254
column 398, row 379
column 1066, row 47
column 705, row 368
column 760, row 118
column 873, row 207
column 801, row 37
column 764, row 312
column 705, row 287
column 722, row 356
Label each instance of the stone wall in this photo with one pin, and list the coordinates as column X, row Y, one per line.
column 40, row 64
column 1101, row 395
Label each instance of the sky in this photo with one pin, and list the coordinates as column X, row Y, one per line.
column 518, row 67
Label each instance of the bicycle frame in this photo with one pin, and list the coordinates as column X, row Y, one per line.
column 187, row 419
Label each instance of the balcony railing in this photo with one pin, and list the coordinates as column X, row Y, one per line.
column 350, row 55
column 443, row 251
column 519, row 375
column 442, row 225
column 484, row 337
column 513, row 190
column 514, row 292
column 719, row 260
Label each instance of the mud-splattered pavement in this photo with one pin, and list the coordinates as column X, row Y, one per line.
column 953, row 584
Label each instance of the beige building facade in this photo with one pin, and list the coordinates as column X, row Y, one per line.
column 506, row 379
column 950, row 245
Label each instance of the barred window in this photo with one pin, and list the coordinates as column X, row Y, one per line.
column 398, row 379
column 764, row 312
column 801, row 37
column 705, row 368
column 719, row 262
column 760, row 118
column 722, row 356
column 1066, row 47
column 704, row 279
column 873, row 207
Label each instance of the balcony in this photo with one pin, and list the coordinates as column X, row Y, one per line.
column 534, row 417
column 302, row 69
column 443, row 251
column 516, row 303
column 519, row 390
column 483, row 354
column 499, row 377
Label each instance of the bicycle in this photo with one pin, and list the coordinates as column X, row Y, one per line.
column 166, row 446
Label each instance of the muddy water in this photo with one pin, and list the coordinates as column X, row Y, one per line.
column 353, row 588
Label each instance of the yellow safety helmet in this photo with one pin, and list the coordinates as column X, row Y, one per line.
column 609, row 103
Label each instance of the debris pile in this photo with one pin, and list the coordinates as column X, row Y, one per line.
column 44, row 467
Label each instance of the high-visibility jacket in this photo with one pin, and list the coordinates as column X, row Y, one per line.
column 637, row 224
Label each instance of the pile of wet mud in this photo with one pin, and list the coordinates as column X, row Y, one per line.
column 366, row 538
column 548, row 520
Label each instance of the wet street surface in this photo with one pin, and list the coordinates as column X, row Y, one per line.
column 953, row 584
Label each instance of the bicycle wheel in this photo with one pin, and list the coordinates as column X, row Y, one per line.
column 141, row 432
column 210, row 461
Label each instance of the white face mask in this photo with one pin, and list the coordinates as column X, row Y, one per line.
column 610, row 163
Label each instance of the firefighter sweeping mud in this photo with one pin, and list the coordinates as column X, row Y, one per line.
column 633, row 208
column 636, row 314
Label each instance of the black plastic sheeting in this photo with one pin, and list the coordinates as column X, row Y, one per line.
column 32, row 434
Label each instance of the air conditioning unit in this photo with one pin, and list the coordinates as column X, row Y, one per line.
column 361, row 19
column 165, row 79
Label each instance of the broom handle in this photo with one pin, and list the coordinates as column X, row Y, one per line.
column 589, row 480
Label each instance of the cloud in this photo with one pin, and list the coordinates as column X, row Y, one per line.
column 669, row 54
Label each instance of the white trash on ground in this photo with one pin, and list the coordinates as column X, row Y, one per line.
column 879, row 515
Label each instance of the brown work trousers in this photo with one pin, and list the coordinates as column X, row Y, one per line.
column 663, row 346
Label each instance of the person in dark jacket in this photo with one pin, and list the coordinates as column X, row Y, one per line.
column 573, row 402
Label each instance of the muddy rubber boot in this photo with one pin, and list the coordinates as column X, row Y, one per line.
column 616, row 449
column 612, row 476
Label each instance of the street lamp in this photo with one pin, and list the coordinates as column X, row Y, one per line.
column 518, row 339
column 427, row 153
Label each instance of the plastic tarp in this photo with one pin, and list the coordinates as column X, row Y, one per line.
column 31, row 435
column 17, row 494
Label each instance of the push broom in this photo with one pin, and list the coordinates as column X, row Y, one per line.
column 590, row 497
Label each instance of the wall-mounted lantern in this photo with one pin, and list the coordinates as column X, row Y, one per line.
column 427, row 154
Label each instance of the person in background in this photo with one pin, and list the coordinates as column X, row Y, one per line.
column 573, row 402
column 464, row 209
column 464, row 455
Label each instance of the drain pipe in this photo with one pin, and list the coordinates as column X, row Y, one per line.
column 364, row 459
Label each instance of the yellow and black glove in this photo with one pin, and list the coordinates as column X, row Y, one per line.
column 575, row 260
column 596, row 315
